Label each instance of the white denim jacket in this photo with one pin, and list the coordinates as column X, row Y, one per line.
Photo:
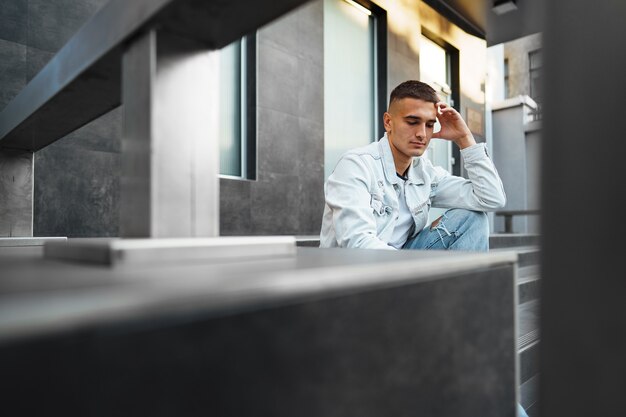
column 362, row 201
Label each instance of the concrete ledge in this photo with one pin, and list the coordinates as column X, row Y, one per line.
column 43, row 295
column 496, row 240
column 29, row 241
column 514, row 102
column 312, row 241
column 115, row 251
column 325, row 332
column 533, row 126
column 510, row 240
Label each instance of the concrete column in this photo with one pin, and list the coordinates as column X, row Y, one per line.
column 170, row 161
column 494, row 93
column 16, row 193
column 510, row 118
column 583, row 312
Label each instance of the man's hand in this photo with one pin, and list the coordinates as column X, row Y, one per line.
column 453, row 127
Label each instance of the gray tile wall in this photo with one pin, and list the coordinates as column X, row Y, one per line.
column 16, row 168
column 16, row 193
column 77, row 182
column 75, row 179
column 287, row 197
column 76, row 191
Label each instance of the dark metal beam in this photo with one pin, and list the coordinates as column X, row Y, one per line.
column 469, row 17
column 83, row 80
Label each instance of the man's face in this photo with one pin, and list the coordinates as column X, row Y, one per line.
column 409, row 124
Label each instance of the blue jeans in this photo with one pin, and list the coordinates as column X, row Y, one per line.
column 458, row 229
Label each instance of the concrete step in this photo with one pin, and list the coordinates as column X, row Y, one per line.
column 29, row 241
column 528, row 355
column 528, row 322
column 527, row 255
column 496, row 241
column 297, row 330
column 528, row 280
column 529, row 396
column 528, row 339
column 308, row 241
column 509, row 240
column 528, row 283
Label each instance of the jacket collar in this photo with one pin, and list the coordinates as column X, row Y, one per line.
column 390, row 167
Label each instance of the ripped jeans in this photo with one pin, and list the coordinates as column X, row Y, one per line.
column 458, row 229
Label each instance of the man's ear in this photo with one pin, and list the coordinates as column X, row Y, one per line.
column 387, row 122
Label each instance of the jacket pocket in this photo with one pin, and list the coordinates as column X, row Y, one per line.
column 424, row 206
column 379, row 207
column 420, row 215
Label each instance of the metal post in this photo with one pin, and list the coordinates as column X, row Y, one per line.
column 170, row 165
column 508, row 223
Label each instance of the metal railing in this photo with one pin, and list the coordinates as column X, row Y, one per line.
column 508, row 217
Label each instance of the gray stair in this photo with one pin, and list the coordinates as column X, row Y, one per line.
column 528, row 283
column 528, row 351
column 527, row 255
column 528, row 287
column 529, row 392
column 509, row 240
column 528, row 339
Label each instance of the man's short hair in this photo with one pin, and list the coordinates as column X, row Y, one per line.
column 414, row 89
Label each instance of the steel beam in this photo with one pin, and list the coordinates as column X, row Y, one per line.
column 82, row 81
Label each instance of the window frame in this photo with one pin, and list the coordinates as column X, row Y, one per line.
column 453, row 57
column 506, row 70
column 374, row 38
column 534, row 74
column 247, row 109
column 379, row 65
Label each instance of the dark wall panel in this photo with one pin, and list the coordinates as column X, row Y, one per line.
column 76, row 190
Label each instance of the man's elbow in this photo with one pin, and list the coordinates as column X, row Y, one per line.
column 502, row 200
column 494, row 202
column 498, row 201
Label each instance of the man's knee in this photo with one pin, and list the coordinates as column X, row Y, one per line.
column 474, row 219
column 474, row 226
column 435, row 223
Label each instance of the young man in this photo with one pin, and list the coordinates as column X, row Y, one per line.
column 379, row 195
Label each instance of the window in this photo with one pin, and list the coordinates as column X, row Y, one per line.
column 534, row 70
column 355, row 76
column 439, row 68
column 507, row 92
column 237, row 136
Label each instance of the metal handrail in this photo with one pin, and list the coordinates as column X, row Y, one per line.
column 508, row 217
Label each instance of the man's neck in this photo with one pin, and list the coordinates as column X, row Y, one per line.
column 401, row 161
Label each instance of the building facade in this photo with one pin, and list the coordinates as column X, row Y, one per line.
column 76, row 180
column 515, row 103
